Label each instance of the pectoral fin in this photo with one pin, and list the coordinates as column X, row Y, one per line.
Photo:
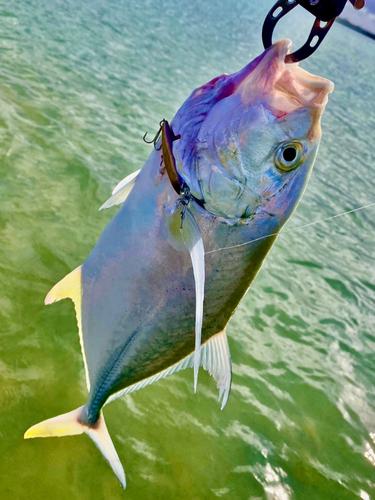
column 121, row 191
column 188, row 236
column 192, row 238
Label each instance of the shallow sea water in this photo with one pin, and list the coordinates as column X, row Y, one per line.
column 81, row 81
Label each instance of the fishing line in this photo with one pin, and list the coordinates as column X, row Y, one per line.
column 293, row 228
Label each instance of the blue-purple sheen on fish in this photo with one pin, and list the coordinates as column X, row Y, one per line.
column 158, row 289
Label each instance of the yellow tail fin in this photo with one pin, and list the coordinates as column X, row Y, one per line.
column 69, row 425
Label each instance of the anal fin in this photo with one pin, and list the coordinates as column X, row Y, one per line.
column 214, row 358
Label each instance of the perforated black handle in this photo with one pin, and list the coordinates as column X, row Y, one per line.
column 325, row 12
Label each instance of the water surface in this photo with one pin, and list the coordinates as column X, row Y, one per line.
column 81, row 81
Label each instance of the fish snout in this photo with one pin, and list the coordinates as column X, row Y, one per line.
column 260, row 75
column 283, row 88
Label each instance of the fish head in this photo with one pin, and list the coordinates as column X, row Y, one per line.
column 254, row 136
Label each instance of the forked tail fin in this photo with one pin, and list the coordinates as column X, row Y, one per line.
column 69, row 425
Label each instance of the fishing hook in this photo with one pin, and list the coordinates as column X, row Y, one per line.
column 156, row 138
column 169, row 161
column 178, row 183
column 325, row 12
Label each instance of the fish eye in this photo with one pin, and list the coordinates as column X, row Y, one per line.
column 288, row 156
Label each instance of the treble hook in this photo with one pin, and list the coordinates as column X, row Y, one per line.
column 167, row 158
column 156, row 138
column 167, row 138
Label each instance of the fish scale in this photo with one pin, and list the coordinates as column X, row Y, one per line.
column 218, row 306
column 148, row 301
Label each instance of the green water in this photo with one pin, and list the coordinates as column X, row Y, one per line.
column 80, row 82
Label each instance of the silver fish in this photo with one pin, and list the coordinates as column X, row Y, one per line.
column 158, row 289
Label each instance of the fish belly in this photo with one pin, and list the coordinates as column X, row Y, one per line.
column 138, row 300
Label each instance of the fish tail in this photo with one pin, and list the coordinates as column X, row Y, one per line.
column 70, row 424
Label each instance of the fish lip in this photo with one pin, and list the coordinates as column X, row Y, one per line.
column 309, row 90
column 277, row 51
column 280, row 49
column 269, row 77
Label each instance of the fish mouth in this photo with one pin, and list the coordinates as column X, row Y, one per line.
column 283, row 88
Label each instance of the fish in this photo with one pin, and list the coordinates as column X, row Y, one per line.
column 197, row 221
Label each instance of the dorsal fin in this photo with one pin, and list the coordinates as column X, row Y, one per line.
column 214, row 357
column 121, row 191
column 71, row 287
